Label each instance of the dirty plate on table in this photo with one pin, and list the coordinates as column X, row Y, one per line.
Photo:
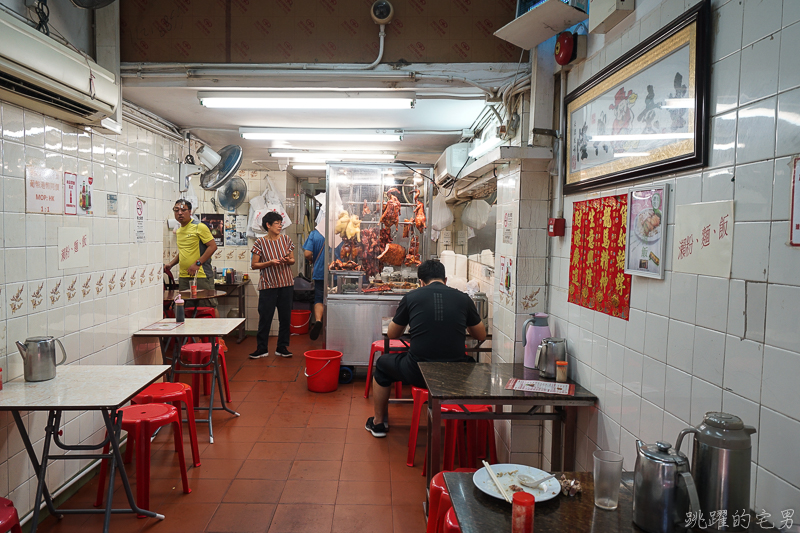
column 507, row 476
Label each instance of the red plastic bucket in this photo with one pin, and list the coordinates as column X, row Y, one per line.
column 322, row 370
column 299, row 322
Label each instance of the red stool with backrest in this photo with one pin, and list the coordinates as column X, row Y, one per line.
column 141, row 421
column 377, row 347
column 173, row 393
column 9, row 520
column 450, row 522
column 198, row 353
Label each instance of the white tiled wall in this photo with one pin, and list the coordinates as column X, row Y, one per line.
column 698, row 343
column 93, row 310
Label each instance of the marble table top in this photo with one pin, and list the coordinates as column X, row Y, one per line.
column 80, row 387
column 195, row 327
column 482, row 381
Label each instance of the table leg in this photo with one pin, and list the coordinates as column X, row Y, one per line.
column 113, row 421
column 434, row 439
column 242, row 314
column 216, row 379
column 570, row 432
column 555, row 445
column 42, row 490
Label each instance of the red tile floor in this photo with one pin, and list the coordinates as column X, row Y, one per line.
column 294, row 461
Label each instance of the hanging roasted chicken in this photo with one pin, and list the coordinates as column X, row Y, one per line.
column 407, row 223
column 412, row 259
column 394, row 254
column 370, row 251
column 366, row 210
column 419, row 213
column 391, row 213
column 385, row 237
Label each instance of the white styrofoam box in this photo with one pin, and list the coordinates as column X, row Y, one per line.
column 751, row 142
column 728, row 30
column 788, row 134
column 718, row 184
column 773, row 453
column 723, row 140
column 709, row 355
column 750, row 251
column 605, row 14
column 725, row 84
column 655, row 341
column 712, row 302
column 760, row 68
column 743, row 361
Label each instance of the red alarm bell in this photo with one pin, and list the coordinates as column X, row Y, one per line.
column 565, row 47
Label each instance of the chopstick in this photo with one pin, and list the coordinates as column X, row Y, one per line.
column 496, row 481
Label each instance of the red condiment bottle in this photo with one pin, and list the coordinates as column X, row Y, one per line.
column 522, row 512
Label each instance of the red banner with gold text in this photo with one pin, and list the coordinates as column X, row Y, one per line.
column 597, row 257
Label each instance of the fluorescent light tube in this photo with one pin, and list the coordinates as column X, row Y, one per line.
column 307, row 99
column 485, row 147
column 309, row 167
column 312, row 134
column 632, row 154
column 321, row 157
column 641, row 137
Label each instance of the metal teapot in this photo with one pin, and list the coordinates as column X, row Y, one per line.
column 550, row 350
column 39, row 357
column 663, row 488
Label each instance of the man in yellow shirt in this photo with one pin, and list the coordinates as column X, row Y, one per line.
column 195, row 248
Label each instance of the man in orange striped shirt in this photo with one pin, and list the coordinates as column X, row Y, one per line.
column 273, row 255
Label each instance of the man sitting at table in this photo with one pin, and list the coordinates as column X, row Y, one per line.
column 439, row 317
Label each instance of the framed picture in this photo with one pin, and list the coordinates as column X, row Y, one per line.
column 646, row 113
column 646, row 231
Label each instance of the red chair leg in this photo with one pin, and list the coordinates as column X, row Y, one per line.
column 224, row 366
column 143, row 467
column 415, row 416
column 369, row 371
column 472, row 455
column 181, row 458
column 192, row 425
column 450, row 427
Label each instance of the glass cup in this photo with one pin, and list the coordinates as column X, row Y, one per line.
column 607, row 476
column 193, row 287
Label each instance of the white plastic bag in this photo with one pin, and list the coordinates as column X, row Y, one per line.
column 441, row 215
column 476, row 214
column 260, row 206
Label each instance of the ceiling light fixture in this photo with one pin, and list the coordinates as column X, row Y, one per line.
column 313, row 134
column 309, row 167
column 485, row 147
column 321, row 157
column 307, row 99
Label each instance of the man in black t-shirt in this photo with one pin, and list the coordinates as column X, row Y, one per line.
column 439, row 317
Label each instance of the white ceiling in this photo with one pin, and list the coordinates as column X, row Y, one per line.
column 439, row 106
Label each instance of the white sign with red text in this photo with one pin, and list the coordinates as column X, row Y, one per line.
column 44, row 191
column 73, row 248
column 703, row 241
column 70, row 193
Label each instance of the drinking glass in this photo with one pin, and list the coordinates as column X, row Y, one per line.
column 607, row 476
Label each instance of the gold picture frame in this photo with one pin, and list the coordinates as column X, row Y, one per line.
column 646, row 114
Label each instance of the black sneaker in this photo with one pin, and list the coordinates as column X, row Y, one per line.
column 377, row 430
column 283, row 353
column 258, row 354
column 316, row 329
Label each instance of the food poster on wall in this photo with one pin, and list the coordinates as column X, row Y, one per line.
column 216, row 224
column 704, row 239
column 235, row 230
column 43, row 191
column 84, row 191
column 507, row 282
column 597, row 256
column 70, row 193
column 111, row 205
column 647, row 231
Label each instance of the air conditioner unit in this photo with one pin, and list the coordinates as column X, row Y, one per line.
column 39, row 73
column 451, row 161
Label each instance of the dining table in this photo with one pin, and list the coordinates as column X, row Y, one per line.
column 103, row 388
column 477, row 512
column 213, row 328
column 485, row 384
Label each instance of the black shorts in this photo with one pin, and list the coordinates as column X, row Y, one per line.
column 393, row 367
column 319, row 291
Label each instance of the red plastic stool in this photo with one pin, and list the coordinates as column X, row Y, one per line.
column 198, row 353
column 377, row 347
column 450, row 522
column 141, row 421
column 202, row 312
column 437, row 489
column 173, row 393
column 9, row 520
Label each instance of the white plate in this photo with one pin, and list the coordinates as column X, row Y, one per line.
column 638, row 228
column 506, row 475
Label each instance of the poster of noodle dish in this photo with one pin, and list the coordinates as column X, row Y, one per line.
column 646, row 231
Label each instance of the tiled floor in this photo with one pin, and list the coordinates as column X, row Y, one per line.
column 294, row 461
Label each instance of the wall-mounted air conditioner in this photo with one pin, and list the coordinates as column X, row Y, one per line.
column 39, row 73
column 451, row 162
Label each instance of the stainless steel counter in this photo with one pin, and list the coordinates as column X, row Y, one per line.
column 353, row 323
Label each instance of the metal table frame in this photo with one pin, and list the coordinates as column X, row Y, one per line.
column 112, row 418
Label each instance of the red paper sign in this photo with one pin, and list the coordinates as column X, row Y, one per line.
column 597, row 257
